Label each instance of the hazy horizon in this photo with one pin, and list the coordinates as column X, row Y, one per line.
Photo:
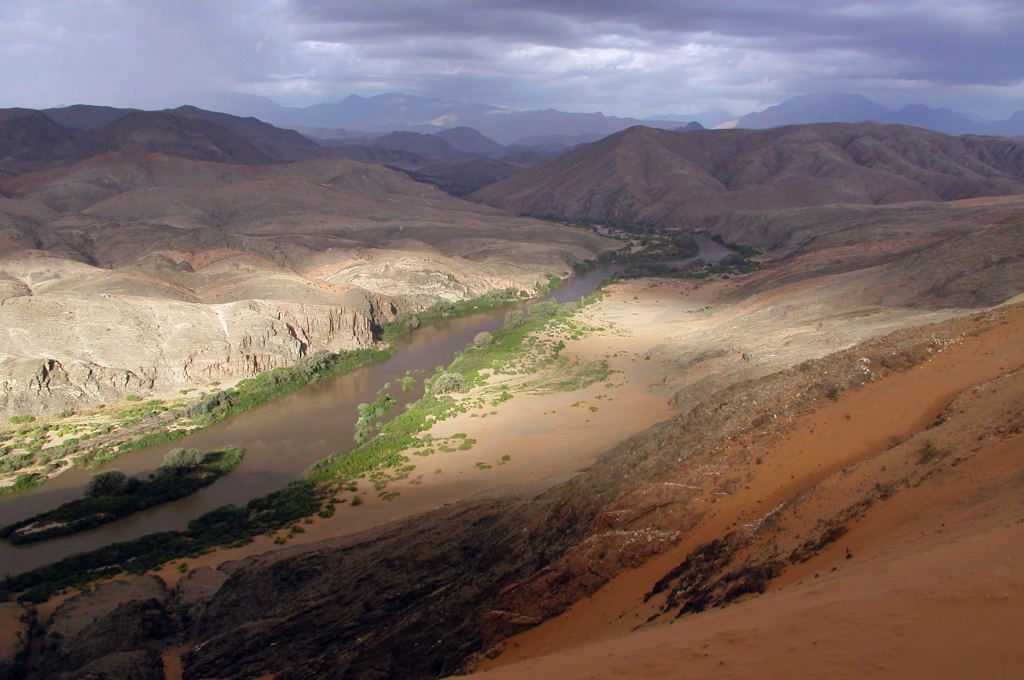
column 657, row 58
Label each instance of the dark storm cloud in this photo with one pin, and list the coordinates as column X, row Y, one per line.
column 945, row 42
column 626, row 57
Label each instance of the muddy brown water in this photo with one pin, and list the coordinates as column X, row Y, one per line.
column 281, row 438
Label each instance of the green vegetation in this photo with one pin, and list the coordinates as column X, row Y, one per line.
column 406, row 322
column 729, row 265
column 229, row 525
column 742, row 250
column 370, row 412
column 446, row 383
column 668, row 245
column 270, row 384
column 182, row 460
column 110, row 483
column 113, row 495
column 407, row 383
column 381, row 458
column 17, row 420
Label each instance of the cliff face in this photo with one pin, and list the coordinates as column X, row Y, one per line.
column 86, row 350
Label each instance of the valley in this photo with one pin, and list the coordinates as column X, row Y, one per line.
column 569, row 340
column 740, row 368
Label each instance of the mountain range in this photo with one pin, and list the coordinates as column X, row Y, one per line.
column 855, row 108
column 669, row 179
column 397, row 111
column 356, row 116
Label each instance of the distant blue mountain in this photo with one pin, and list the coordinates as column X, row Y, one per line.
column 397, row 111
column 855, row 108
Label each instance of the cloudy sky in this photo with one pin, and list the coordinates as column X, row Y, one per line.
column 625, row 57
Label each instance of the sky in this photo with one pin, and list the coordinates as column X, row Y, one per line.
column 622, row 57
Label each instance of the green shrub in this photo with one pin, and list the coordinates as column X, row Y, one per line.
column 112, row 495
column 182, row 459
column 110, row 483
column 447, row 383
column 226, row 525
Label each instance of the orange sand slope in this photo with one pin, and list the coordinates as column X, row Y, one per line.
column 952, row 610
column 928, row 581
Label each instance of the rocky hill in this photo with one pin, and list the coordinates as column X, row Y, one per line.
column 659, row 177
column 250, row 265
column 30, row 140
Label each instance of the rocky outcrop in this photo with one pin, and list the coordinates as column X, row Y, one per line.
column 396, row 602
column 62, row 352
column 16, row 622
column 112, row 631
column 194, row 591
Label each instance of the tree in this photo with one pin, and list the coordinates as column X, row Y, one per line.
column 447, row 383
column 514, row 318
column 110, row 483
column 180, row 460
column 482, row 339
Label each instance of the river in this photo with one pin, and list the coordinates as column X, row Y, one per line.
column 281, row 438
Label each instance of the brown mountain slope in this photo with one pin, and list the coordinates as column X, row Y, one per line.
column 463, row 177
column 86, row 116
column 643, row 175
column 31, row 140
column 274, row 142
column 180, row 135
